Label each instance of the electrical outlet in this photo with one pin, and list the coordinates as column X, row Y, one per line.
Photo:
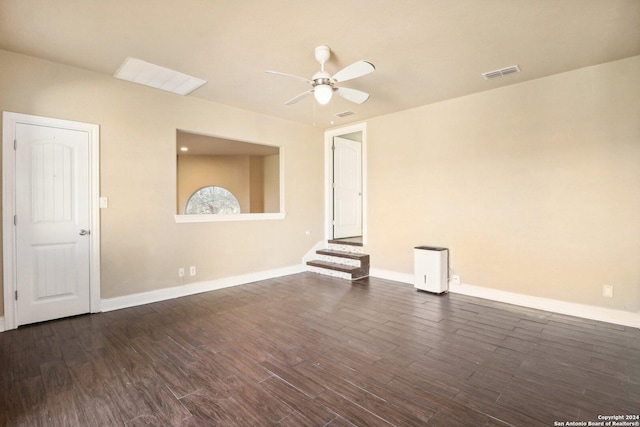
column 455, row 279
column 181, row 272
column 607, row 291
column 192, row 270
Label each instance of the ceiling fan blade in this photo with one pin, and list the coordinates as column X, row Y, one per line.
column 357, row 69
column 299, row 97
column 289, row 75
column 352, row 95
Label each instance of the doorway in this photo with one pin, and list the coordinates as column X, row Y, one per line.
column 345, row 183
column 50, row 219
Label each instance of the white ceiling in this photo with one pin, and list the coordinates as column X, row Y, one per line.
column 424, row 51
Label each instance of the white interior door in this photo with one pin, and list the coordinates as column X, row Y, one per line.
column 347, row 188
column 52, row 222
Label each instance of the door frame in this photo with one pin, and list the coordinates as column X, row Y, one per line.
column 9, row 243
column 328, row 177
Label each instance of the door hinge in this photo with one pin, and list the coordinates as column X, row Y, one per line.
column 16, row 295
column 15, row 144
column 333, row 147
column 15, row 220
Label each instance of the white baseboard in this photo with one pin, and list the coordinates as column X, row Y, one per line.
column 1, row 324
column 391, row 275
column 133, row 300
column 603, row 314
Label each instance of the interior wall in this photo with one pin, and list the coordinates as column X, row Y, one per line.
column 142, row 246
column 271, row 184
column 256, row 184
column 534, row 187
column 231, row 172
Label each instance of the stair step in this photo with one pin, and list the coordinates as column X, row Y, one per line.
column 333, row 266
column 343, row 254
column 343, row 258
column 356, row 272
column 345, row 242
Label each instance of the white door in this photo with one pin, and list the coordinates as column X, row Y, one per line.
column 52, row 222
column 347, row 188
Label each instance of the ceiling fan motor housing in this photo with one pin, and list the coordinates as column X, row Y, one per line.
column 323, row 53
column 322, row 78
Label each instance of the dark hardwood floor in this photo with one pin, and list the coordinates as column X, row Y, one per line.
column 313, row 350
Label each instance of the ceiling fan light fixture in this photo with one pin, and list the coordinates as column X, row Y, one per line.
column 323, row 93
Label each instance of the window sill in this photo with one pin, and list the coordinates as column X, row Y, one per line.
column 184, row 219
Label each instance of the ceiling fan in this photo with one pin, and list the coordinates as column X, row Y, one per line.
column 323, row 83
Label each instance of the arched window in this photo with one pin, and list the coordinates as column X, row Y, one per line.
column 212, row 200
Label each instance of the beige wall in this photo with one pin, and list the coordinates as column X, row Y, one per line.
column 142, row 246
column 271, row 184
column 256, row 184
column 235, row 173
column 534, row 187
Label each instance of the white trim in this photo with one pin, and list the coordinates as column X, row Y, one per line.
column 1, row 324
column 592, row 312
column 8, row 229
column 328, row 174
column 391, row 275
column 9, row 122
column 133, row 300
column 603, row 314
column 185, row 219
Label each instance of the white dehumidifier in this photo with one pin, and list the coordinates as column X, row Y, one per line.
column 431, row 269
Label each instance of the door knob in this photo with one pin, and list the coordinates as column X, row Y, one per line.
column 84, row 232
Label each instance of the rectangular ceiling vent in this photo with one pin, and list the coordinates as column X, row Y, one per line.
column 501, row 72
column 141, row 72
column 345, row 114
